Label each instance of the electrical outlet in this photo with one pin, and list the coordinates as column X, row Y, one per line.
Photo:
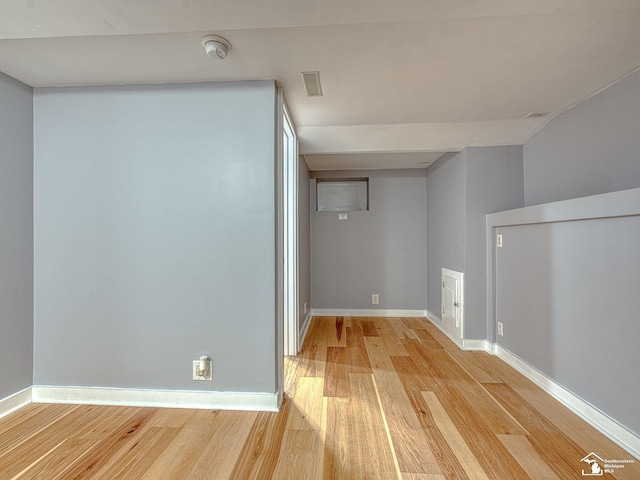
column 200, row 374
column 499, row 240
column 500, row 329
column 306, row 308
column 375, row 299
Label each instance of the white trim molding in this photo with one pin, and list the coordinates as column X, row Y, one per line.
column 599, row 420
column 482, row 345
column 262, row 402
column 279, row 399
column 304, row 329
column 464, row 344
column 617, row 433
column 15, row 402
column 346, row 312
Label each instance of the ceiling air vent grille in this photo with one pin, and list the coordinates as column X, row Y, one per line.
column 311, row 82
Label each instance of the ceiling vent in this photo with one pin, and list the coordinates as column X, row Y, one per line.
column 535, row 115
column 311, row 82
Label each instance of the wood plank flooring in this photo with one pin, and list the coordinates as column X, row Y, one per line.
column 366, row 398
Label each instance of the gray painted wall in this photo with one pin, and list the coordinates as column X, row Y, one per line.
column 461, row 189
column 566, row 291
column 16, row 238
column 494, row 183
column 567, row 295
column 446, row 222
column 376, row 251
column 304, row 240
column 154, row 235
column 593, row 148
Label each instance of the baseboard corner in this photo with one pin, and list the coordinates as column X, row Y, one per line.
column 15, row 401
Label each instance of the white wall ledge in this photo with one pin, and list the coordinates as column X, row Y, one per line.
column 622, row 203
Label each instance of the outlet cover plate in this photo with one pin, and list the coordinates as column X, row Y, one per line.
column 209, row 372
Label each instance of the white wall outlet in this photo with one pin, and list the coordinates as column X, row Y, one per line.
column 375, row 299
column 500, row 329
column 200, row 373
column 343, row 216
column 306, row 308
column 499, row 240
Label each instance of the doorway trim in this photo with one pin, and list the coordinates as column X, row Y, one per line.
column 290, row 233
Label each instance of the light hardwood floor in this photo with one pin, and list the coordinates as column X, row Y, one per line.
column 383, row 398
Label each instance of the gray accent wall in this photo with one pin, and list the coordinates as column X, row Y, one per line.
column 592, row 148
column 565, row 282
column 446, row 222
column 377, row 251
column 304, row 240
column 16, row 236
column 461, row 190
column 495, row 182
column 155, row 236
column 566, row 290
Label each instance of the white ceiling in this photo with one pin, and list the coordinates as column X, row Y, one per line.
column 403, row 80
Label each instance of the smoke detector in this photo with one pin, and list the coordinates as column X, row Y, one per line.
column 216, row 47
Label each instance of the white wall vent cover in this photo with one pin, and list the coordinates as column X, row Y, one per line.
column 311, row 82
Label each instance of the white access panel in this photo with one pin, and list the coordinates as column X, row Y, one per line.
column 453, row 302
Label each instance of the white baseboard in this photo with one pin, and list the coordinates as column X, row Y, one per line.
column 464, row 344
column 15, row 402
column 267, row 402
column 596, row 418
column 482, row 345
column 346, row 312
column 304, row 329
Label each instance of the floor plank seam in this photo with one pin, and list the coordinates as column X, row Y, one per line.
column 386, row 428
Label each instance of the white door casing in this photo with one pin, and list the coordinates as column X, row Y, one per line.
column 290, row 233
